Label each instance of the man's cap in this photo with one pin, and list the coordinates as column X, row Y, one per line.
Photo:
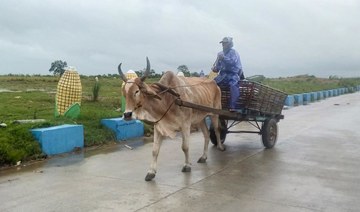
column 226, row 40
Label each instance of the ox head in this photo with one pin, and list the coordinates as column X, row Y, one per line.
column 136, row 91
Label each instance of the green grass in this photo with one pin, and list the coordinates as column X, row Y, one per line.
column 305, row 84
column 17, row 144
column 34, row 98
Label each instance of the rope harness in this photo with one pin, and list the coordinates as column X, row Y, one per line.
column 165, row 89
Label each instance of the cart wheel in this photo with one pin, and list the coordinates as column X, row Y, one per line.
column 269, row 133
column 223, row 132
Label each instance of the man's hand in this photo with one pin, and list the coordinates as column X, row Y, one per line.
column 214, row 69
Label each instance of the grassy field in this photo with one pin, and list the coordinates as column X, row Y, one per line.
column 305, row 84
column 33, row 97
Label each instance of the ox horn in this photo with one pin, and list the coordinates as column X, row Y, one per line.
column 147, row 71
column 123, row 77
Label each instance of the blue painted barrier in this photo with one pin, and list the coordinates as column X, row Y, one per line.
column 325, row 94
column 330, row 93
column 59, row 139
column 124, row 129
column 335, row 92
column 320, row 95
column 313, row 96
column 289, row 101
column 306, row 98
column 298, row 99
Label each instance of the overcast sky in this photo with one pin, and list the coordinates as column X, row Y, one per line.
column 275, row 38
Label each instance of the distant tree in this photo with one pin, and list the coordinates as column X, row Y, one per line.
column 112, row 75
column 139, row 73
column 195, row 74
column 152, row 73
column 257, row 78
column 185, row 70
column 58, row 67
column 158, row 75
column 333, row 77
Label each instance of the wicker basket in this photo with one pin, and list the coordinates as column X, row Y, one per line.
column 255, row 97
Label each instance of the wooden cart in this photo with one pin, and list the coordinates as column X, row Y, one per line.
column 258, row 105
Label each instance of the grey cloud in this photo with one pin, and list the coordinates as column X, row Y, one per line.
column 274, row 38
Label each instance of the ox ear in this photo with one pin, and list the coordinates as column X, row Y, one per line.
column 144, row 88
column 123, row 77
column 157, row 97
column 150, row 92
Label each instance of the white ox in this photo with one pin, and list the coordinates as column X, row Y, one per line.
column 154, row 104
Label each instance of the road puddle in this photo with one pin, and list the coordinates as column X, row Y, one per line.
column 73, row 158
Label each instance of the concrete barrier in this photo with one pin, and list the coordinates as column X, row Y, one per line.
column 289, row 101
column 59, row 139
column 335, row 92
column 306, row 98
column 313, row 96
column 340, row 91
column 124, row 129
column 298, row 99
column 330, row 93
column 325, row 94
column 320, row 95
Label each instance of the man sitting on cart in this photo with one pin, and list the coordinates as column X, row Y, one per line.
column 228, row 65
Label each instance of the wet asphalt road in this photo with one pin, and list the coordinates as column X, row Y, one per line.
column 313, row 167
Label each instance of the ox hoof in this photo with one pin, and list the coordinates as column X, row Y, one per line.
column 221, row 148
column 150, row 176
column 201, row 160
column 186, row 169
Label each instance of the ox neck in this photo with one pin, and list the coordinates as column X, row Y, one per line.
column 155, row 108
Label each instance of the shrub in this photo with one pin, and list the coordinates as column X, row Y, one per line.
column 17, row 144
column 96, row 90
